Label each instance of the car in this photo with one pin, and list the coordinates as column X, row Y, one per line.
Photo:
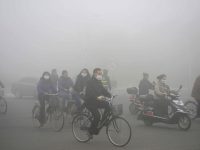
column 25, row 87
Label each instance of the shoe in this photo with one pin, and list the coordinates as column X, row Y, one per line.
column 90, row 135
column 93, row 132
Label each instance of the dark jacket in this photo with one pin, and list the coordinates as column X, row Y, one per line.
column 196, row 89
column 81, row 83
column 145, row 86
column 44, row 86
column 95, row 89
column 65, row 83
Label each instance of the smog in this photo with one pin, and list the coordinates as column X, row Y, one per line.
column 127, row 38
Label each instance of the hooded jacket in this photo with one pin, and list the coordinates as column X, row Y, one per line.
column 81, row 83
column 44, row 86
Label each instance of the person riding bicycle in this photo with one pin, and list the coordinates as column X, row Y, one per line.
column 196, row 93
column 44, row 87
column 65, row 85
column 81, row 83
column 65, row 88
column 93, row 98
column 161, row 91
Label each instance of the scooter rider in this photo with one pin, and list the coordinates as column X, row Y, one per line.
column 145, row 85
column 161, row 91
column 196, row 93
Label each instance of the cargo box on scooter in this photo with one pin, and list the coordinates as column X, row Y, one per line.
column 132, row 90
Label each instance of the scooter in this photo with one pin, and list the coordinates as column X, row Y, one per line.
column 137, row 101
column 135, row 104
column 177, row 113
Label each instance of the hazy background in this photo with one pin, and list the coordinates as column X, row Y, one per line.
column 125, row 36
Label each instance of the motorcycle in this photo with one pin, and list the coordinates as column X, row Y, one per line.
column 177, row 113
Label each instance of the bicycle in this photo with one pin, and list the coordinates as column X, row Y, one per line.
column 53, row 113
column 3, row 102
column 118, row 129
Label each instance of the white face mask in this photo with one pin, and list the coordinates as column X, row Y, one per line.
column 46, row 77
column 163, row 81
column 99, row 77
column 83, row 74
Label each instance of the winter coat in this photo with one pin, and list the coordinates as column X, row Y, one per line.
column 44, row 86
column 81, row 83
column 145, row 86
column 95, row 89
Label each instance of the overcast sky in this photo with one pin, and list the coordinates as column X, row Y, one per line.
column 126, row 36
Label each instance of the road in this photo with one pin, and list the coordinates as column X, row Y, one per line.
column 17, row 133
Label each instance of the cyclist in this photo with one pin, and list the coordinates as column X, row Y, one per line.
column 93, row 98
column 65, row 85
column 44, row 87
column 80, row 85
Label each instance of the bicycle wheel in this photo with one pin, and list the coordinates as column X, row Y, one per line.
column 58, row 120
column 80, row 126
column 3, row 106
column 35, row 116
column 119, row 131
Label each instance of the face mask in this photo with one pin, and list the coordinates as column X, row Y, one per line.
column 83, row 74
column 99, row 77
column 46, row 77
column 163, row 81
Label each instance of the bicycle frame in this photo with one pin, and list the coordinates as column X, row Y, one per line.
column 109, row 116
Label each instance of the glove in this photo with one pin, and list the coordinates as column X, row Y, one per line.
column 101, row 98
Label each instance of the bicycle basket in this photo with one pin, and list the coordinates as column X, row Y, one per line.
column 117, row 109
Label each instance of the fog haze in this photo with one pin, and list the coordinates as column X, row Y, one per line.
column 127, row 37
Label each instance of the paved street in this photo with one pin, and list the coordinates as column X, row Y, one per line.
column 17, row 133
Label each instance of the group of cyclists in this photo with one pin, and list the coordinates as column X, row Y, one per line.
column 90, row 88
